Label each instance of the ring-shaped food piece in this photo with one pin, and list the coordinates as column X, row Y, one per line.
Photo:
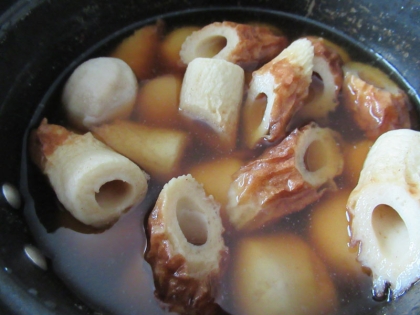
column 375, row 101
column 245, row 45
column 92, row 181
column 327, row 65
column 385, row 212
column 285, row 178
column 186, row 248
column 284, row 82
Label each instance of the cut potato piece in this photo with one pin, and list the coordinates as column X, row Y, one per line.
column 157, row 150
column 171, row 46
column 212, row 93
column 93, row 182
column 158, row 100
column 330, row 235
column 281, row 275
column 245, row 45
column 385, row 210
column 186, row 248
column 285, row 178
column 283, row 84
column 139, row 51
column 375, row 101
column 355, row 155
column 99, row 90
column 216, row 176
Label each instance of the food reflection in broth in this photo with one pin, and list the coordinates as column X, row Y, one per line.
column 290, row 266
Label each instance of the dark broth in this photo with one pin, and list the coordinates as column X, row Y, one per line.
column 106, row 269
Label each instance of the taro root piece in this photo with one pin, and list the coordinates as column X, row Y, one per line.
column 93, row 182
column 385, row 212
column 140, row 49
column 158, row 101
column 376, row 102
column 186, row 248
column 157, row 150
column 245, row 45
column 285, row 178
column 280, row 274
column 216, row 176
column 212, row 92
column 171, row 46
column 327, row 65
column 284, row 84
column 328, row 233
column 99, row 90
column 354, row 156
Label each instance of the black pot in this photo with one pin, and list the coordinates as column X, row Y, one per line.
column 40, row 39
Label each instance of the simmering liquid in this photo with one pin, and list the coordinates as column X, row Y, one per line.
column 107, row 270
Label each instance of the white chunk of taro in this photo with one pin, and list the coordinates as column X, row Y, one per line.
column 280, row 274
column 93, row 182
column 327, row 66
column 99, row 90
column 212, row 92
column 283, row 84
column 285, row 178
column 186, row 248
column 385, row 211
column 242, row 44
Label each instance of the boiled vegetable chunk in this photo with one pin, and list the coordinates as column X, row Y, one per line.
column 139, row 51
column 216, row 176
column 171, row 46
column 354, row 157
column 329, row 234
column 157, row 150
column 158, row 100
column 280, row 274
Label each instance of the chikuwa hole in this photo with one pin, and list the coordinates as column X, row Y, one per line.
column 255, row 113
column 315, row 89
column 193, row 223
column 390, row 231
column 211, row 46
column 314, row 157
column 112, row 194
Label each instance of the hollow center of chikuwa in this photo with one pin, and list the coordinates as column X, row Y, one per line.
column 112, row 194
column 315, row 89
column 193, row 223
column 211, row 46
column 254, row 114
column 314, row 158
column 391, row 232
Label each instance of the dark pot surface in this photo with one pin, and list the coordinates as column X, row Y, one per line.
column 39, row 39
